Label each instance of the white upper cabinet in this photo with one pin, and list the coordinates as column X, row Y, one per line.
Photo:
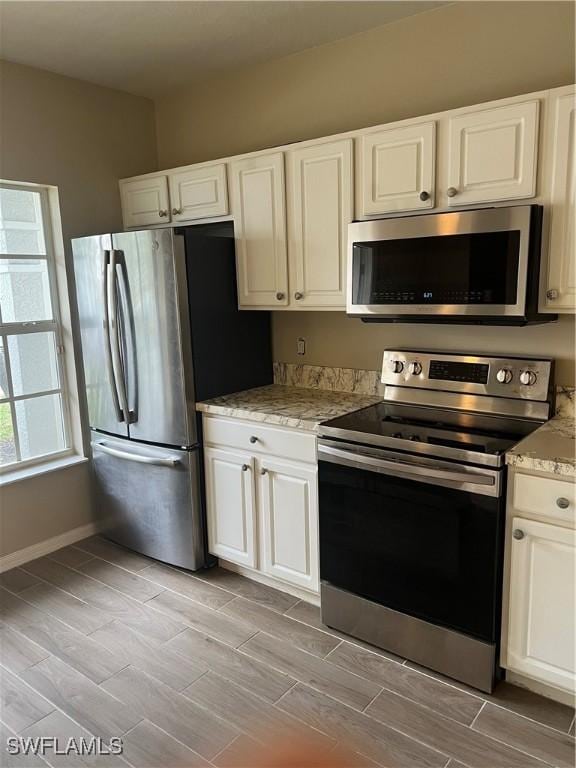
column 259, row 210
column 320, row 207
column 561, row 153
column 145, row 201
column 198, row 192
column 492, row 154
column 396, row 169
column 541, row 613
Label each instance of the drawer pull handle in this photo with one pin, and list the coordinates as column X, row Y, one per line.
column 563, row 502
column 245, row 467
column 263, row 471
column 518, row 534
column 253, row 439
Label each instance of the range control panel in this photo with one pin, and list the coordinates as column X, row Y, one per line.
column 522, row 378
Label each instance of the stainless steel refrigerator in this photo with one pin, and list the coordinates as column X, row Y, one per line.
column 160, row 329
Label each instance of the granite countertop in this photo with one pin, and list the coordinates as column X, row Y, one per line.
column 287, row 406
column 551, row 448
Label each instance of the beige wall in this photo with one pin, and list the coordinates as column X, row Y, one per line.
column 456, row 55
column 82, row 138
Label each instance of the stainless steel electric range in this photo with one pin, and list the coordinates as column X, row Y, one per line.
column 412, row 507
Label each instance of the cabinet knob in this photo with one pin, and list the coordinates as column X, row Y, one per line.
column 279, row 296
column 298, row 295
column 424, row 195
column 563, row 502
column 253, row 439
column 518, row 533
column 176, row 211
column 263, row 471
column 245, row 467
column 552, row 294
column 162, row 213
column 451, row 191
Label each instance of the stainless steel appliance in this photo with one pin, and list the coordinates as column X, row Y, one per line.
column 475, row 266
column 412, row 507
column 160, row 329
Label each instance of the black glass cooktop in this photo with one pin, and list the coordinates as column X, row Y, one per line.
column 386, row 422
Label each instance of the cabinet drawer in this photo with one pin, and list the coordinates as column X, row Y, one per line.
column 278, row 441
column 545, row 497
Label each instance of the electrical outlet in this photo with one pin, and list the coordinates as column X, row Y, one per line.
column 300, row 346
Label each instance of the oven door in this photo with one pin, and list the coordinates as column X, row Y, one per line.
column 469, row 263
column 422, row 538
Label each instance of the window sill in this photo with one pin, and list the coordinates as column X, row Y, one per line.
column 24, row 473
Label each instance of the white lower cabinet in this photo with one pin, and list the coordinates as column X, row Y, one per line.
column 541, row 629
column 262, row 507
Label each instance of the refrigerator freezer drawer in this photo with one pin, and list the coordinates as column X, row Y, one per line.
column 149, row 499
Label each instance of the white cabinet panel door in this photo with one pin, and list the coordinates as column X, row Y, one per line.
column 320, row 207
column 145, row 201
column 199, row 193
column 259, row 210
column 289, row 522
column 561, row 283
column 541, row 623
column 492, row 154
column 230, row 502
column 396, row 169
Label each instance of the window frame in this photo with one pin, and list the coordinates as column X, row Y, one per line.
column 54, row 325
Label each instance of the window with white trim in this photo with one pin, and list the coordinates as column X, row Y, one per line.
column 33, row 404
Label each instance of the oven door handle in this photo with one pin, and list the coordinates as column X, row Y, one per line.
column 419, row 472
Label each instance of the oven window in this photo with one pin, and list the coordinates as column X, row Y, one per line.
column 475, row 268
column 423, row 550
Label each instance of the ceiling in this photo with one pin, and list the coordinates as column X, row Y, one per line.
column 149, row 48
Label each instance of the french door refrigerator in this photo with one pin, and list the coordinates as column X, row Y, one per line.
column 160, row 329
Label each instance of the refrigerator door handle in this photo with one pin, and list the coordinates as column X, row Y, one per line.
column 107, row 335
column 126, row 318
column 114, row 333
column 158, row 461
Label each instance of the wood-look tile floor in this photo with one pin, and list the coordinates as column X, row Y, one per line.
column 211, row 669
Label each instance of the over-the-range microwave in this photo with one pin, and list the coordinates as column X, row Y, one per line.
column 473, row 266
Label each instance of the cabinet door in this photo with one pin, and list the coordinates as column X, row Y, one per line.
column 289, row 522
column 492, row 154
column 230, row 505
column 145, row 201
column 396, row 169
column 259, row 210
column 541, row 628
column 320, row 207
column 561, row 283
column 198, row 193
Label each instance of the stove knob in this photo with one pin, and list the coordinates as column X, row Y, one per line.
column 415, row 369
column 397, row 366
column 504, row 375
column 528, row 378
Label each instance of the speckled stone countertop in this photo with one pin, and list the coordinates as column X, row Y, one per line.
column 287, row 406
column 552, row 448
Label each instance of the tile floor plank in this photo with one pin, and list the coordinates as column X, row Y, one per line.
column 187, row 585
column 114, row 553
column 79, row 651
column 358, row 731
column 251, row 714
column 110, row 602
column 81, row 699
column 122, row 580
column 17, row 652
column 444, row 699
column 146, row 746
column 174, row 713
column 65, row 607
column 19, row 760
column 275, row 624
column 232, row 664
column 328, row 678
column 70, row 556
column 530, row 737
column 17, row 579
column 448, row 736
column 203, row 619
column 134, row 649
column 251, row 590
column 20, row 706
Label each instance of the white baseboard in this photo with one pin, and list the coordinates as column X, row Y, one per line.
column 47, row 546
column 269, row 581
